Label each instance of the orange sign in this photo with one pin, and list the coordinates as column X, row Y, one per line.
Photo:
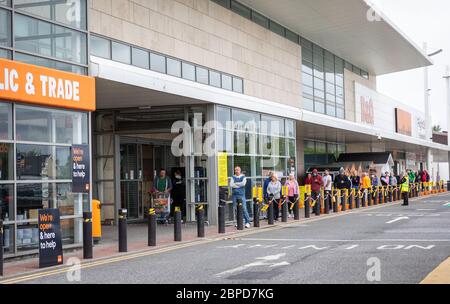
column 43, row 86
column 403, row 121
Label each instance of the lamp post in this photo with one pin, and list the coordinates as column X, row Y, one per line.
column 428, row 132
column 447, row 82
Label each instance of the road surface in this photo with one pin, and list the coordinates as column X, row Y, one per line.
column 382, row 244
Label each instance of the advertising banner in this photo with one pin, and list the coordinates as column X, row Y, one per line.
column 50, row 243
column 223, row 169
column 403, row 122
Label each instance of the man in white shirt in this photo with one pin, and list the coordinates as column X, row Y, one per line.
column 327, row 184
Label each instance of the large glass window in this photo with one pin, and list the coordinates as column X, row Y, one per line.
column 70, row 12
column 188, row 71
column 174, row 67
column 202, row 75
column 35, row 60
column 5, row 121
column 5, row 28
column 121, row 52
column 100, row 47
column 43, row 38
column 140, row 58
column 157, row 63
column 6, row 162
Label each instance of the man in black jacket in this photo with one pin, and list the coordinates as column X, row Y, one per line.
column 342, row 182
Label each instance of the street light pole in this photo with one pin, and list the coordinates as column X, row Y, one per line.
column 428, row 127
column 447, row 82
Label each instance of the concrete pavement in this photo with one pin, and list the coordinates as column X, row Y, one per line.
column 383, row 244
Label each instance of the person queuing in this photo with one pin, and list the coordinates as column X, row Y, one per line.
column 274, row 191
column 404, row 189
column 266, row 184
column 342, row 182
column 179, row 194
column 292, row 186
column 385, row 179
column 327, row 185
column 237, row 183
column 366, row 184
column 316, row 186
column 356, row 182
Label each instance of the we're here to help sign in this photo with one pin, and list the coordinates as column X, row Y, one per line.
column 44, row 86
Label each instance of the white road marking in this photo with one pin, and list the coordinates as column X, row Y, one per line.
column 262, row 261
column 398, row 219
column 426, row 209
column 343, row 241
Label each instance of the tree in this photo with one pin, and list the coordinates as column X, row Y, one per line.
column 437, row 128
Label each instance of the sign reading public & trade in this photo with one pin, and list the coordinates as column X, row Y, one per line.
column 43, row 86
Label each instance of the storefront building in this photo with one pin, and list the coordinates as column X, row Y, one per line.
column 228, row 69
column 43, row 114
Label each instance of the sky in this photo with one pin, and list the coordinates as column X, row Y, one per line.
column 422, row 21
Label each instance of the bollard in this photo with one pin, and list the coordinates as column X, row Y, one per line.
column 351, row 200
column 123, row 230
column 364, row 199
column 177, row 225
column 336, row 202
column 240, row 215
column 344, row 201
column 201, row 222
column 327, row 202
column 284, row 212
column 151, row 227
column 87, row 236
column 357, row 199
column 391, row 194
column 221, row 216
column 369, row 197
column 296, row 210
column 307, row 207
column 448, row 185
column 256, row 213
column 270, row 214
column 1, row 247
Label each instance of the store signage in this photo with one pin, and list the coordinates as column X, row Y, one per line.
column 421, row 127
column 223, row 169
column 367, row 113
column 50, row 243
column 403, row 122
column 80, row 169
column 38, row 85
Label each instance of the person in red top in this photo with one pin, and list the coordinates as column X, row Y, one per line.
column 308, row 179
column 316, row 185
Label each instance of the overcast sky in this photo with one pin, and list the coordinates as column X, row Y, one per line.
column 422, row 21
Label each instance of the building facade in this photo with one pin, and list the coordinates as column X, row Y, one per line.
column 274, row 85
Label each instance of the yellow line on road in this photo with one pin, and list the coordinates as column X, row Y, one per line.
column 105, row 261
column 441, row 275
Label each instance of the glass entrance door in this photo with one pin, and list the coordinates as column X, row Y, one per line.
column 131, row 178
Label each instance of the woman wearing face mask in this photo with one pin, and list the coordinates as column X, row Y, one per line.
column 179, row 194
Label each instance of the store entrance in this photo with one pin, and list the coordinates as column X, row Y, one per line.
column 140, row 163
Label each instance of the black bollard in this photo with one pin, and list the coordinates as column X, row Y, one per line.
column 344, row 201
column 307, row 207
column 240, row 215
column 327, row 201
column 177, row 225
column 369, row 197
column 391, row 199
column 201, row 222
column 296, row 211
column 357, row 199
column 221, row 215
column 256, row 214
column 270, row 214
column 350, row 200
column 123, row 230
column 284, row 212
column 87, row 236
column 1, row 247
column 151, row 227
column 317, row 206
column 336, row 202
column 364, row 199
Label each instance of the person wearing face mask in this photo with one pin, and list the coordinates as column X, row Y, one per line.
column 316, row 184
column 179, row 194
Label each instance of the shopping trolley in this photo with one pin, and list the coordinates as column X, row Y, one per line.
column 161, row 203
